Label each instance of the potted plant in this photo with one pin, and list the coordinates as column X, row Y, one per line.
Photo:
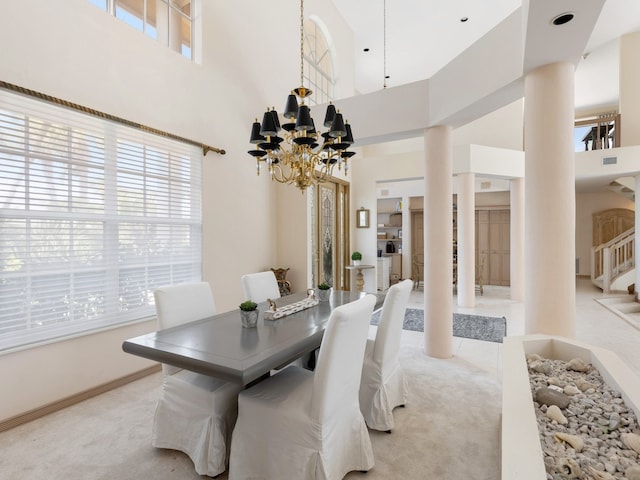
column 249, row 313
column 356, row 257
column 324, row 291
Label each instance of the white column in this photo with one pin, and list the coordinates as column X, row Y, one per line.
column 466, row 240
column 438, row 247
column 550, row 201
column 637, row 239
column 516, row 260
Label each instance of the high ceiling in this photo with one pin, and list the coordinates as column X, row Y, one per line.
column 422, row 36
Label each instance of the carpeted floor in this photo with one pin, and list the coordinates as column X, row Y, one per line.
column 449, row 430
column 488, row 329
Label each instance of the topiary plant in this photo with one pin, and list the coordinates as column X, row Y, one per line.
column 248, row 306
column 324, row 286
column 356, row 255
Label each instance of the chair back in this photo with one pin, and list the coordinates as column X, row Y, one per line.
column 260, row 286
column 387, row 343
column 339, row 368
column 178, row 304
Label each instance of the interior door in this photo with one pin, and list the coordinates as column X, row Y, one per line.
column 493, row 245
column 417, row 236
column 331, row 242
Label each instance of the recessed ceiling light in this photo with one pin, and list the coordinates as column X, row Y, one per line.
column 562, row 18
column 464, row 19
column 365, row 49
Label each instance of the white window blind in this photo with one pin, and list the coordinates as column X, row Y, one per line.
column 94, row 216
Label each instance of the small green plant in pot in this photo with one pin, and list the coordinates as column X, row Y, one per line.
column 249, row 313
column 324, row 291
column 356, row 257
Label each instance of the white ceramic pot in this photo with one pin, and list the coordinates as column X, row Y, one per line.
column 323, row 295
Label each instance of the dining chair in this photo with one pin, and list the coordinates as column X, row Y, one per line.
column 383, row 386
column 417, row 270
column 260, row 286
column 308, row 425
column 195, row 413
column 479, row 276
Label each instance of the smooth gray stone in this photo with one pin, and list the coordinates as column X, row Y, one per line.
column 548, row 397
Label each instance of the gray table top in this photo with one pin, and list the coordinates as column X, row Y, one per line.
column 220, row 347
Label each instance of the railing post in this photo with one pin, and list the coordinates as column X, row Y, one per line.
column 606, row 270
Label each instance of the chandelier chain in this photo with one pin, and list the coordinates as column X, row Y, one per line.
column 301, row 42
column 384, row 43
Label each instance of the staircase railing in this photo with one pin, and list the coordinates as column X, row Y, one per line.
column 612, row 259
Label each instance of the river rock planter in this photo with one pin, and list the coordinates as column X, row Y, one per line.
column 521, row 451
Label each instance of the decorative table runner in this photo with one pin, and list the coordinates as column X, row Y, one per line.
column 275, row 313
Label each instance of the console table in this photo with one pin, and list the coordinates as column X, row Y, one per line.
column 359, row 275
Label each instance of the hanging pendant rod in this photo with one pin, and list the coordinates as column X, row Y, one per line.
column 89, row 111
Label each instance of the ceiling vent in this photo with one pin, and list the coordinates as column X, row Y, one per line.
column 485, row 185
column 609, row 160
column 384, row 192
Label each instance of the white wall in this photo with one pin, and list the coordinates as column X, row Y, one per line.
column 74, row 51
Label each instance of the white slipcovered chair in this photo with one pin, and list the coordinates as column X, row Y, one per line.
column 195, row 413
column 383, row 386
column 260, row 286
column 300, row 424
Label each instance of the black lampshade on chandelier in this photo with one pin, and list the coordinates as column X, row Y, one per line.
column 302, row 155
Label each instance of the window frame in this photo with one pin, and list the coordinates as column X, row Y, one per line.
column 169, row 175
column 161, row 31
column 321, row 82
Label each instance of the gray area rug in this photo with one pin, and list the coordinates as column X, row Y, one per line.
column 488, row 329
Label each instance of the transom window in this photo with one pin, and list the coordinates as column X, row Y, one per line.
column 167, row 21
column 94, row 215
column 318, row 62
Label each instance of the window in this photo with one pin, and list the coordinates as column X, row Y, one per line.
column 318, row 62
column 94, row 216
column 597, row 132
column 168, row 21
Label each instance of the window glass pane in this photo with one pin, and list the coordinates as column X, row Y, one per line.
column 578, row 136
column 318, row 63
column 100, row 3
column 184, row 6
column 151, row 19
column 12, row 180
column 131, row 12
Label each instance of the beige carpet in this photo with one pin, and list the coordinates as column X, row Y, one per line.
column 449, row 430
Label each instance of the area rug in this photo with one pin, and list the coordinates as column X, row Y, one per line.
column 488, row 329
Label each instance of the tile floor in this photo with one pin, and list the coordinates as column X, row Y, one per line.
column 595, row 325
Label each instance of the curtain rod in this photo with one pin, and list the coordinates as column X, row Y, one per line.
column 57, row 101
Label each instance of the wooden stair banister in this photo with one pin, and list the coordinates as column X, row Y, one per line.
column 612, row 259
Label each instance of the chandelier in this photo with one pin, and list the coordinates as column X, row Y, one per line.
column 302, row 156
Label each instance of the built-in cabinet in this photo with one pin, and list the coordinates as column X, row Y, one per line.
column 395, row 272
column 492, row 242
column 384, row 272
column 389, row 238
column 493, row 245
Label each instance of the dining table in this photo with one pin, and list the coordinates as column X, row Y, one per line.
column 219, row 346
